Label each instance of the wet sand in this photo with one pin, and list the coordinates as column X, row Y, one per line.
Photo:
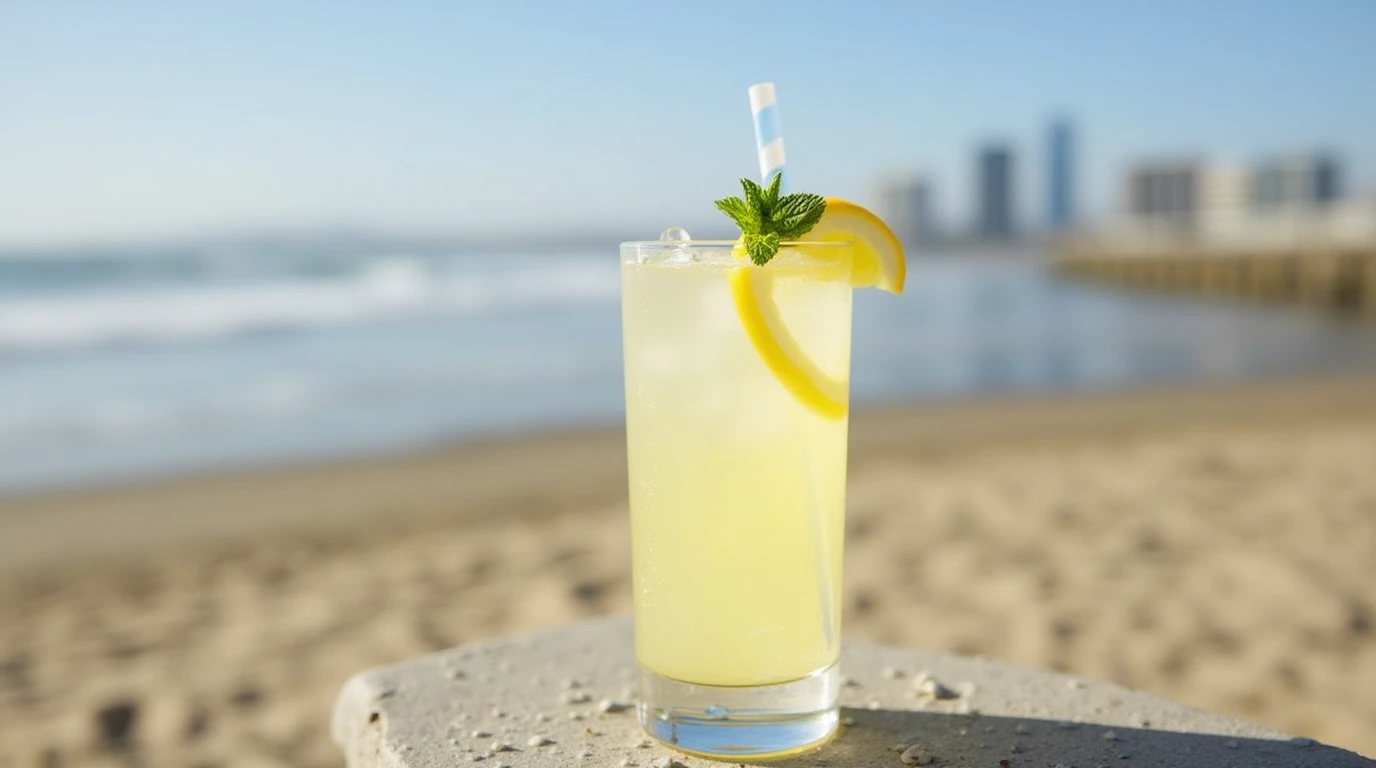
column 1214, row 546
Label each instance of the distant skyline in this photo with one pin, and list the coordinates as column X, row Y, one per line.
column 151, row 120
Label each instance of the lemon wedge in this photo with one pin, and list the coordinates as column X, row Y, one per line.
column 877, row 261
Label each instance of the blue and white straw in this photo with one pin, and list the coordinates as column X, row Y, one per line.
column 769, row 137
column 769, row 141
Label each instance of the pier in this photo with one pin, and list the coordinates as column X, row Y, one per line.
column 1335, row 278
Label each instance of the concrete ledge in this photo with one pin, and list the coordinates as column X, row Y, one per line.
column 556, row 699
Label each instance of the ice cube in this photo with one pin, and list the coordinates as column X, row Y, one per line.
column 677, row 255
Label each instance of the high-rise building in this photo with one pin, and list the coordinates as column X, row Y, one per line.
column 1060, row 176
column 995, row 190
column 1163, row 196
column 906, row 204
column 1300, row 180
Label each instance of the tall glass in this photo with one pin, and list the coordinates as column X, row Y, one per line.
column 737, row 495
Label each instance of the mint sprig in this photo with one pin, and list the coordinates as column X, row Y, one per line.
column 766, row 219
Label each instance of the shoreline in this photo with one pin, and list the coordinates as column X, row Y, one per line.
column 585, row 466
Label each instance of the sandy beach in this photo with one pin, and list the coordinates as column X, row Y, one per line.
column 1217, row 547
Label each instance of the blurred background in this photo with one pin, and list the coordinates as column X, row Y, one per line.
column 298, row 300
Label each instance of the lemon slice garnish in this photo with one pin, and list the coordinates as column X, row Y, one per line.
column 753, row 290
column 878, row 261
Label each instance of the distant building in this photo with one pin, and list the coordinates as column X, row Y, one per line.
column 1060, row 176
column 1163, row 197
column 906, row 204
column 1224, row 204
column 1301, row 180
column 995, row 190
column 1295, row 199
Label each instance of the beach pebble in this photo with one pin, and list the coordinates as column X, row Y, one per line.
column 577, row 697
column 569, row 684
column 1015, row 749
column 498, row 746
column 1074, row 685
column 609, row 706
column 915, row 755
column 1021, row 728
column 892, row 673
column 576, row 715
column 850, row 682
column 847, row 721
column 930, row 686
column 1230, row 744
column 539, row 741
column 480, row 734
column 1110, row 736
column 668, row 762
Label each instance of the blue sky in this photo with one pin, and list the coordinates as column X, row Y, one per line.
column 124, row 120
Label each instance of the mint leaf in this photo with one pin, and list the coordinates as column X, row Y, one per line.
column 754, row 197
column 771, row 195
column 762, row 248
column 741, row 213
column 797, row 214
column 766, row 219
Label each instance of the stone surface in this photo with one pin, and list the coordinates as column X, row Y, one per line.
column 423, row 714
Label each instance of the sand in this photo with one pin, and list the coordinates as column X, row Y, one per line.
column 1214, row 546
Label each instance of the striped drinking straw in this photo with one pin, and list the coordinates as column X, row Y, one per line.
column 769, row 141
column 769, row 138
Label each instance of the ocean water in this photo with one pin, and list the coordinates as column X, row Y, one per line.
column 127, row 366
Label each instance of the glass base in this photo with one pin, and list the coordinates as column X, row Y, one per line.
column 729, row 722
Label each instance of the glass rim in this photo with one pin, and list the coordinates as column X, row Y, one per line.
column 724, row 244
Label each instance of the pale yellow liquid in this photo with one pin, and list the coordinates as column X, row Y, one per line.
column 737, row 490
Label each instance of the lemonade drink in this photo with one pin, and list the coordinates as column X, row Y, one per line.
column 737, row 357
column 737, row 486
